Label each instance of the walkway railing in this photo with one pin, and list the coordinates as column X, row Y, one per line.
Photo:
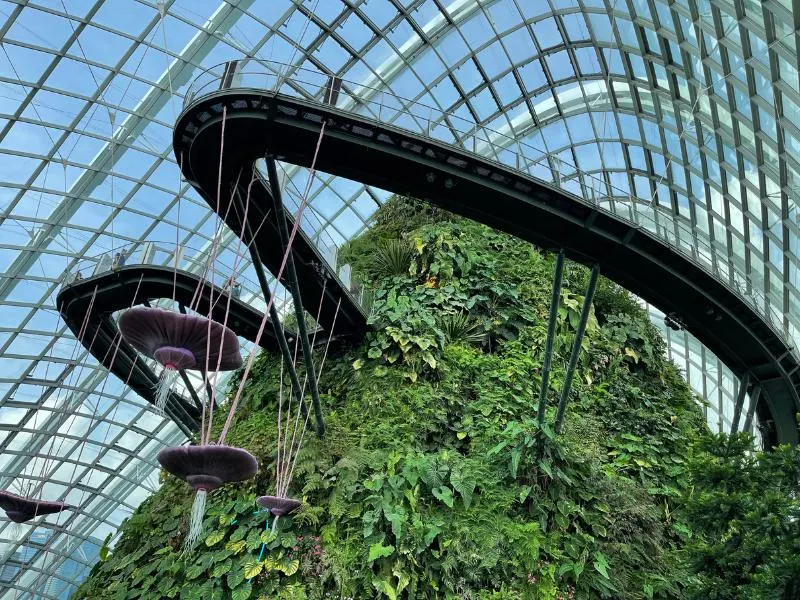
column 504, row 148
column 163, row 254
column 317, row 231
column 195, row 261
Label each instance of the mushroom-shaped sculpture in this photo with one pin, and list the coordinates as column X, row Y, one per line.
column 20, row 509
column 206, row 468
column 179, row 341
column 280, row 507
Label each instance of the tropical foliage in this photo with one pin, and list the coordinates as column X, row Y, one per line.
column 435, row 478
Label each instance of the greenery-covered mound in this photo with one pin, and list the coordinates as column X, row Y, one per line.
column 434, row 479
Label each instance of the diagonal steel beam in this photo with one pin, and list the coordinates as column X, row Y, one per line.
column 302, row 332
column 178, row 74
column 737, row 409
column 576, row 347
column 555, row 300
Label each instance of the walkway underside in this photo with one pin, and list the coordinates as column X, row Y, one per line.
column 137, row 284
column 317, row 281
column 401, row 162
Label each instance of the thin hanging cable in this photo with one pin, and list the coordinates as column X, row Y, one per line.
column 249, row 365
column 309, row 365
column 227, row 307
column 321, row 367
column 209, row 268
column 104, row 443
column 49, row 362
column 210, row 399
column 288, row 418
column 49, row 458
column 162, row 11
column 296, row 47
column 118, row 337
column 177, row 232
column 280, row 415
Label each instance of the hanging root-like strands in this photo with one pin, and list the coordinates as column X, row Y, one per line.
column 165, row 381
column 196, row 520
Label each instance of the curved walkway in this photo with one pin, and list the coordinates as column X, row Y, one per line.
column 321, row 289
column 259, row 123
column 120, row 288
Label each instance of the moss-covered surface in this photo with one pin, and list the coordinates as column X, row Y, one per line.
column 434, row 479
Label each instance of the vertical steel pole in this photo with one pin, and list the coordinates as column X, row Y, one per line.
column 286, row 353
column 576, row 347
column 737, row 408
column 294, row 288
column 555, row 300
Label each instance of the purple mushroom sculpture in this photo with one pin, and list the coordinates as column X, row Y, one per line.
column 20, row 509
column 279, row 507
column 179, row 341
column 206, row 468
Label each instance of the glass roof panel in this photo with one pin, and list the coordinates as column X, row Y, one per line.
column 696, row 120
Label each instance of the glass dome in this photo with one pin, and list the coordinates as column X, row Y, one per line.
column 689, row 106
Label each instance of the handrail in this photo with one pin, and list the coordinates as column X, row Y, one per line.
column 271, row 79
column 160, row 254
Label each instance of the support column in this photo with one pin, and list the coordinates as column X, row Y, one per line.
column 576, row 347
column 294, row 288
column 286, row 353
column 555, row 300
column 737, row 408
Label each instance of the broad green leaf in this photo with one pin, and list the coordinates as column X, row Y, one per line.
column 268, row 536
column 194, row 571
column 601, row 564
column 235, row 577
column 444, row 494
column 289, row 568
column 252, row 568
column 236, row 547
column 215, row 537
column 243, row 592
column 385, row 588
column 221, row 568
column 524, row 493
column 378, row 550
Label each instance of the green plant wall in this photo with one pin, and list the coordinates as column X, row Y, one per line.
column 434, row 479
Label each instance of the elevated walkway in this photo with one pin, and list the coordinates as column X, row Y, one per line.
column 380, row 140
column 118, row 288
column 318, row 280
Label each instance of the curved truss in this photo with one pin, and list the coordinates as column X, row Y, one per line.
column 690, row 106
column 258, row 122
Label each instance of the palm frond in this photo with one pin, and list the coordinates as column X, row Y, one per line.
column 461, row 327
column 392, row 257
